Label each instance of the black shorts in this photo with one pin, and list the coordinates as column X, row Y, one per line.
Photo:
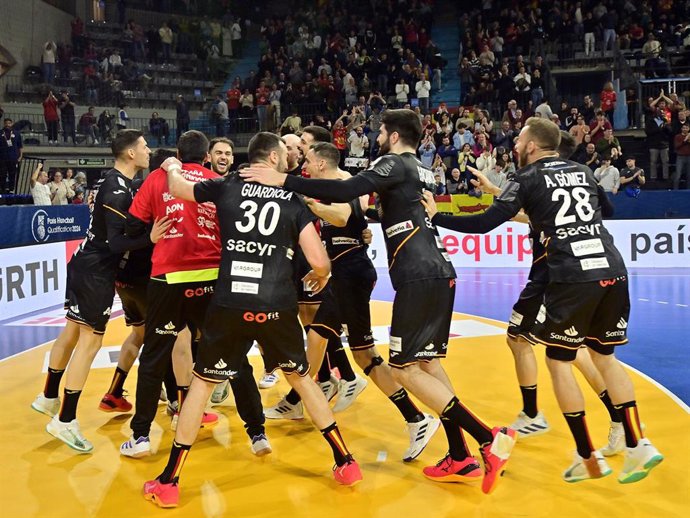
column 526, row 309
column 422, row 311
column 133, row 297
column 308, row 297
column 228, row 335
column 345, row 307
column 594, row 314
column 89, row 298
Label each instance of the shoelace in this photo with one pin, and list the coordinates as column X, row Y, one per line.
column 445, row 460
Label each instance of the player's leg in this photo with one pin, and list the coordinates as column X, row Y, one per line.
column 530, row 421
column 419, row 334
column 133, row 299
column 616, row 437
column 608, row 332
column 48, row 401
column 283, row 346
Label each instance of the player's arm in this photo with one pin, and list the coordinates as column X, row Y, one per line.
column 498, row 213
column 178, row 185
column 118, row 240
column 316, row 256
column 339, row 191
column 607, row 208
column 336, row 214
column 34, row 175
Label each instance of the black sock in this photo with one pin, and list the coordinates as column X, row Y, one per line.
column 181, row 394
column 335, row 440
column 461, row 417
column 613, row 413
column 338, row 358
column 325, row 370
column 170, row 384
column 68, row 412
column 52, row 386
column 457, row 447
column 529, row 400
column 293, row 397
column 631, row 423
column 578, row 427
column 118, row 381
column 407, row 408
column 178, row 454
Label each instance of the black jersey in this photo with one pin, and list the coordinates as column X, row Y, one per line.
column 105, row 240
column 539, row 271
column 561, row 199
column 345, row 247
column 135, row 266
column 260, row 228
column 415, row 251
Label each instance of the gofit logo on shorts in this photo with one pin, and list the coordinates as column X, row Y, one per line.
column 198, row 292
column 260, row 318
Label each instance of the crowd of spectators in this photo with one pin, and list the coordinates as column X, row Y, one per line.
column 54, row 188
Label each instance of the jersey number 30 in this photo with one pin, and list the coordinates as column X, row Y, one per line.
column 263, row 224
column 583, row 208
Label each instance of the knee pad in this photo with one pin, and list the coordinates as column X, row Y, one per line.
column 375, row 362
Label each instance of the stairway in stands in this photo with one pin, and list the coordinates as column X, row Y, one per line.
column 446, row 35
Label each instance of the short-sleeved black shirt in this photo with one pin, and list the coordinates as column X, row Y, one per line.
column 260, row 228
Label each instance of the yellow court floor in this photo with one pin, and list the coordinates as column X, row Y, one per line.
column 42, row 477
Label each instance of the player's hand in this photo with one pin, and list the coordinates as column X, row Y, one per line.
column 482, row 182
column 367, row 236
column 160, row 227
column 429, row 203
column 171, row 163
column 315, row 283
column 263, row 174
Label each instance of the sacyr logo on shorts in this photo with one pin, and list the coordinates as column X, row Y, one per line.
column 221, row 364
column 260, row 318
column 168, row 329
column 198, row 292
column 399, row 228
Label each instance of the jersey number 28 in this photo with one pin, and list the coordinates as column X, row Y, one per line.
column 263, row 224
column 582, row 206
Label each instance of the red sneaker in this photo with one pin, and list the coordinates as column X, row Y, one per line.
column 110, row 403
column 163, row 495
column 451, row 470
column 495, row 456
column 207, row 420
column 348, row 474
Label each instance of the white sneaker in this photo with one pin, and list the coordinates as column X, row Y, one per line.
column 349, row 390
column 639, row 461
column 527, row 426
column 221, row 392
column 260, row 445
column 46, row 405
column 268, row 380
column 285, row 410
column 136, row 449
column 420, row 435
column 70, row 434
column 329, row 388
column 583, row 469
column 616, row 440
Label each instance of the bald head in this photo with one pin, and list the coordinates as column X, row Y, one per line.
column 294, row 157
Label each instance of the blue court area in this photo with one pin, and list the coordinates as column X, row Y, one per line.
column 658, row 330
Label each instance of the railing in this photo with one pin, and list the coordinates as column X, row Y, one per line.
column 647, row 88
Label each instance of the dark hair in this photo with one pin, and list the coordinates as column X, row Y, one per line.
column 320, row 134
column 7, row 119
column 192, row 147
column 219, row 140
column 261, row 145
column 124, row 140
column 158, row 157
column 567, row 146
column 405, row 123
column 328, row 152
